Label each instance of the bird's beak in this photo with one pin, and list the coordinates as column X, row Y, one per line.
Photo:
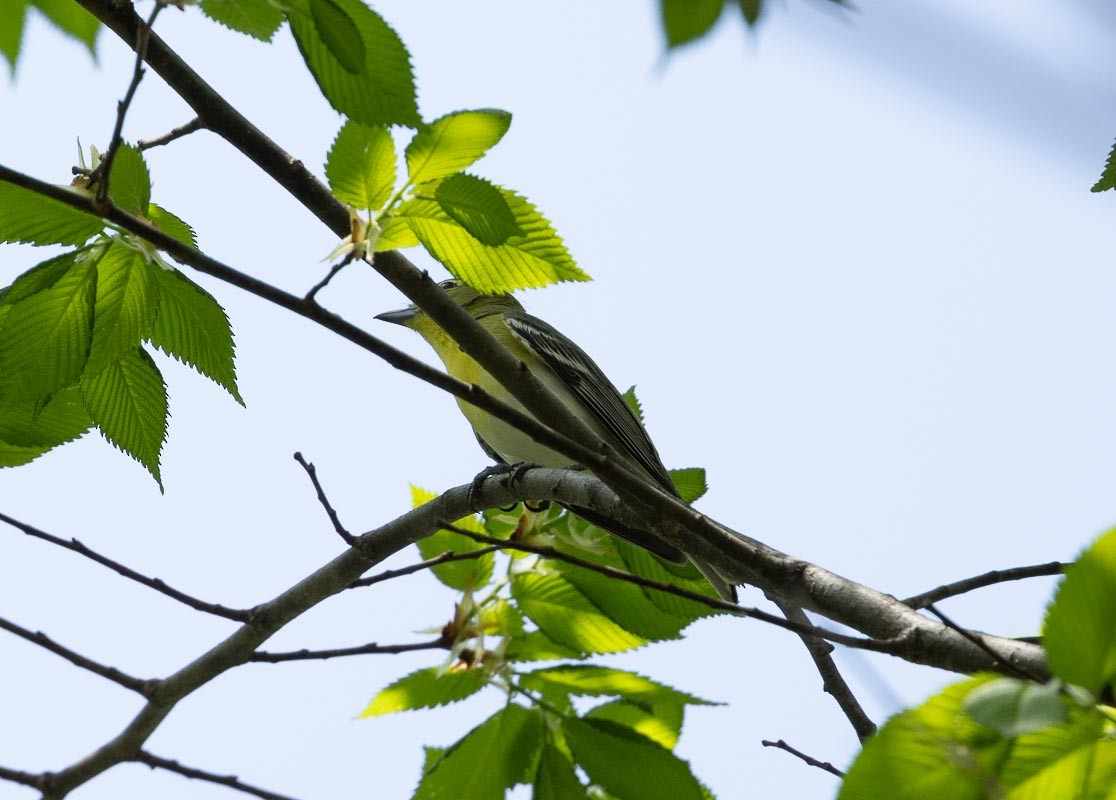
column 400, row 317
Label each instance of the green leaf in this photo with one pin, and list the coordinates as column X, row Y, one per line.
column 658, row 720
column 1013, row 707
column 633, row 402
column 361, row 165
column 626, row 604
column 460, row 575
column 396, row 235
column 753, row 8
column 41, row 277
column 339, row 34
column 690, row 483
column 260, row 19
column 426, row 688
column 130, row 182
column 171, row 225
column 565, row 615
column 28, row 217
column 382, row 91
column 126, row 302
column 127, row 401
column 534, row 259
column 556, row 779
column 192, row 327
column 537, row 646
column 12, row 20
column 1079, row 633
column 595, row 681
column 72, row 20
column 487, row 761
column 687, row 20
column 479, row 207
column 45, row 337
column 1107, row 180
column 28, row 430
column 607, row 751
column 451, row 143
column 639, row 562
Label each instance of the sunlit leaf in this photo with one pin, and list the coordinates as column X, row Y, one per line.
column 426, row 688
column 453, row 142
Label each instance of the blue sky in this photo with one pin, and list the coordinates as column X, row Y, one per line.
column 850, row 260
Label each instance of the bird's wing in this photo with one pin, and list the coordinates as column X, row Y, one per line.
column 588, row 383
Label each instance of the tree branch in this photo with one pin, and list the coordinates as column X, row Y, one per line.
column 311, row 471
column 175, row 133
column 927, row 599
column 443, row 558
column 372, row 648
column 231, row 781
column 813, row 762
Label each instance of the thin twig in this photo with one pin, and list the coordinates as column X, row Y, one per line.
column 230, row 781
column 39, row 638
column 833, row 682
column 104, row 169
column 983, row 645
column 444, row 558
column 235, row 614
column 813, row 762
column 347, row 537
column 990, row 578
column 193, row 125
column 21, row 777
column 266, row 657
column 317, row 287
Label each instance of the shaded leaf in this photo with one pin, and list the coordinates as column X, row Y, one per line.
column 73, row 20
column 1013, row 707
column 12, row 21
column 171, row 225
column 130, row 182
column 28, row 217
column 690, row 482
column 126, row 302
column 565, row 615
column 426, row 688
column 556, row 779
column 460, row 575
column 626, row 604
column 659, row 720
column 753, row 8
column 340, row 35
column 453, row 142
column 686, row 20
column 1107, row 179
column 259, row 19
column 28, row 430
column 479, row 207
column 361, row 165
column 596, row 681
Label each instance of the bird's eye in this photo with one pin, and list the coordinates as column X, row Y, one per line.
column 452, row 283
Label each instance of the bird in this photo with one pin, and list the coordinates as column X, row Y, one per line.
column 575, row 379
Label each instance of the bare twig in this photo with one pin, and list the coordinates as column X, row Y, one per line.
column 926, row 599
column 311, row 295
column 443, row 558
column 347, row 537
column 813, row 762
column 266, row 657
column 235, row 614
column 230, row 781
column 143, row 35
column 39, row 638
column 175, row 133
column 21, row 777
column 978, row 640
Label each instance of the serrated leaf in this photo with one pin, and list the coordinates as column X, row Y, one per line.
column 28, row 430
column 127, row 401
column 30, row 218
column 639, row 562
column 1107, row 179
column 171, row 225
column 633, row 402
column 396, row 235
column 490, row 759
column 591, row 680
column 11, row 31
column 426, row 688
column 192, row 327
column 624, row 603
column 259, row 19
column 41, row 277
column 46, row 336
column 686, row 20
column 690, row 482
column 382, row 92
column 1079, row 634
column 361, row 165
column 659, row 720
column 339, row 34
column 1013, row 707
column 453, row 142
column 556, row 779
column 479, row 207
column 537, row 646
column 460, row 575
column 130, row 183
column 73, row 20
column 565, row 615
column 534, row 259
column 126, row 301
column 607, row 751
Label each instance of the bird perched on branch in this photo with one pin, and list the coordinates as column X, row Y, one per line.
column 574, row 378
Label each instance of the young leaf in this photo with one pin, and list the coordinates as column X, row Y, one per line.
column 171, row 225
column 478, row 207
column 753, row 8
column 130, row 182
column 690, row 482
column 45, row 337
column 259, row 19
column 451, row 143
column 556, row 779
column 28, row 430
column 1079, row 634
column 487, row 761
column 339, row 34
column 382, row 91
column 11, row 32
column 639, row 562
column 426, row 688
column 537, row 646
column 565, row 615
column 396, row 235
column 361, row 165
column 127, row 401
column 536, row 258
column 192, row 327
column 659, row 720
column 1107, row 180
column 460, row 575
column 72, row 20
column 633, row 402
column 126, row 301
column 596, row 681
column 33, row 219
column 626, row 604
column 41, row 277
column 607, row 751
column 1013, row 707
column 687, row 20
